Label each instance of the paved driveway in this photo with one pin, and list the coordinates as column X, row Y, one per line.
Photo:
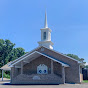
column 5, row 84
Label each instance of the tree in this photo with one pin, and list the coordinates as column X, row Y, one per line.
column 73, row 56
column 8, row 52
column 86, row 66
column 5, row 49
column 81, row 60
column 16, row 53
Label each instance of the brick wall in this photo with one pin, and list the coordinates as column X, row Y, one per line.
column 30, row 69
column 72, row 73
column 44, row 79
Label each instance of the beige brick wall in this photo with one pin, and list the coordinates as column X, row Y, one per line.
column 44, row 79
column 30, row 69
column 72, row 73
column 57, row 69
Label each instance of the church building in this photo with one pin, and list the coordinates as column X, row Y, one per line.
column 43, row 65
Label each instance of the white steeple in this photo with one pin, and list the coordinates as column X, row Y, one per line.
column 46, row 35
column 46, row 25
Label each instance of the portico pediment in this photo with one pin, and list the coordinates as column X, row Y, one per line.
column 34, row 55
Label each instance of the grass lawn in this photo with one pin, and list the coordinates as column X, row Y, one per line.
column 85, row 81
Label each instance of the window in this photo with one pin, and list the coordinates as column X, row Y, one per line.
column 42, row 69
column 44, row 35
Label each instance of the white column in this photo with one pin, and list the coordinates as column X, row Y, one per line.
column 10, row 74
column 14, row 71
column 2, row 74
column 63, row 74
column 51, row 66
column 21, row 67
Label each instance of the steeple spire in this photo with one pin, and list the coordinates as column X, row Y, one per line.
column 46, row 36
column 46, row 25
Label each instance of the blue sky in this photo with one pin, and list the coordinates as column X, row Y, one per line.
column 21, row 20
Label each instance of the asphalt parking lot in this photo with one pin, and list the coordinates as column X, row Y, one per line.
column 6, row 84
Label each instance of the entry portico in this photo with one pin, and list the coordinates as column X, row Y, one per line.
column 38, row 66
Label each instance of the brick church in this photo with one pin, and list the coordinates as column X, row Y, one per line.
column 43, row 65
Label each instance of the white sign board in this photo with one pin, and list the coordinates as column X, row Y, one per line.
column 36, row 78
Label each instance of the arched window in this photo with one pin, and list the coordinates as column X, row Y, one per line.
column 44, row 35
column 42, row 69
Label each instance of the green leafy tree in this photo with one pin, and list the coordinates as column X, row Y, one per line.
column 8, row 52
column 73, row 56
column 86, row 66
column 81, row 60
column 5, row 49
column 16, row 53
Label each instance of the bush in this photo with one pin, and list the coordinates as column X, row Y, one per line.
column 6, row 75
column 0, row 74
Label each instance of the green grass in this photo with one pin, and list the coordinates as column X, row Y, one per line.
column 85, row 81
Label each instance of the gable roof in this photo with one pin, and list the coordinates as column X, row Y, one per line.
column 38, row 48
column 6, row 67
column 55, row 52
column 61, row 54
column 23, row 55
column 36, row 53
